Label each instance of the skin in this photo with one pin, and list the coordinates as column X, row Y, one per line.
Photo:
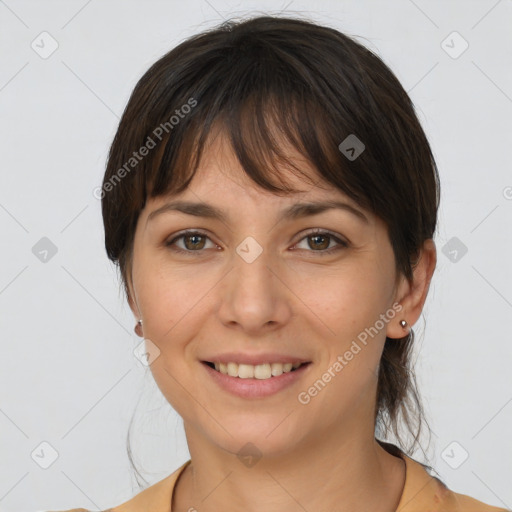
column 291, row 301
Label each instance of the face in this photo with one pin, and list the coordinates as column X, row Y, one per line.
column 256, row 282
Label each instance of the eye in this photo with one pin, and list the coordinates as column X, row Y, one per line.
column 320, row 241
column 195, row 241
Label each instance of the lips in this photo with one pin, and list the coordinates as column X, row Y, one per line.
column 261, row 386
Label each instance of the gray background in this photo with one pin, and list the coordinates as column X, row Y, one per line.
column 68, row 375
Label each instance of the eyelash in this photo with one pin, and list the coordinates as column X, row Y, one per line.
column 341, row 243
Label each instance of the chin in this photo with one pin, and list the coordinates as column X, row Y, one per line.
column 271, row 437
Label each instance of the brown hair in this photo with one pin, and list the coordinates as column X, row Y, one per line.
column 314, row 86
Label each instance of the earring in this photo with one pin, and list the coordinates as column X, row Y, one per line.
column 403, row 323
column 138, row 328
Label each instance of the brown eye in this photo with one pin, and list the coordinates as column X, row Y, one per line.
column 319, row 242
column 193, row 241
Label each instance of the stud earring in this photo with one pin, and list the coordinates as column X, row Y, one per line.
column 138, row 328
column 403, row 323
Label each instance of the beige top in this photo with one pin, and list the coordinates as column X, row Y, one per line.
column 421, row 493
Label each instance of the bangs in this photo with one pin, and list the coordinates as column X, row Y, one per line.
column 265, row 109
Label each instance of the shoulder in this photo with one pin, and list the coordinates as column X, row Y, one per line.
column 450, row 500
column 455, row 501
column 155, row 498
column 76, row 510
column 79, row 510
column 425, row 492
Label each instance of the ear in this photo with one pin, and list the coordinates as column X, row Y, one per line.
column 411, row 295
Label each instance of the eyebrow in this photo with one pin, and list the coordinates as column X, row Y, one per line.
column 295, row 211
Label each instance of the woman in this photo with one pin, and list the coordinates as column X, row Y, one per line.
column 271, row 200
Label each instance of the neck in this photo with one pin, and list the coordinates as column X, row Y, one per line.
column 343, row 473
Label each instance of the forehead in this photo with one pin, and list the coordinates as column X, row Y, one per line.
column 220, row 169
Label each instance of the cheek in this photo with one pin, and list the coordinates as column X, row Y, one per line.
column 345, row 302
column 171, row 306
column 349, row 304
column 169, row 303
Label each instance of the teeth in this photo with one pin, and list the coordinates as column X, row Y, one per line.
column 259, row 371
column 245, row 371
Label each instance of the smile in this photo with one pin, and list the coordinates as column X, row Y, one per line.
column 255, row 387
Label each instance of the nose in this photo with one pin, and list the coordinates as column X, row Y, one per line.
column 253, row 296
